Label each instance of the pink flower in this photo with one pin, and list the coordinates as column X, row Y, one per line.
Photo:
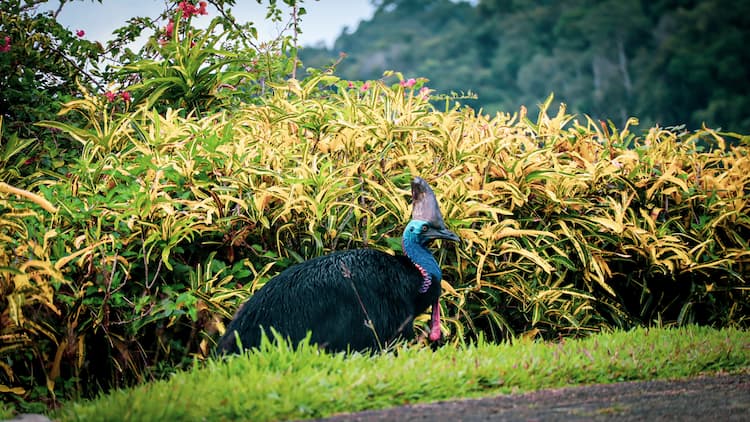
column 111, row 96
column 351, row 84
column 125, row 96
column 425, row 93
column 169, row 29
column 409, row 83
column 80, row 33
column 365, row 86
column 188, row 9
column 5, row 48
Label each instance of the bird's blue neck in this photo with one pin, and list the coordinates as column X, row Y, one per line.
column 415, row 247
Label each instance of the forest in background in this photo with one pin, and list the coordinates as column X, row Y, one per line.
column 668, row 62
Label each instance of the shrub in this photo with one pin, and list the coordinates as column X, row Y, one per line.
column 167, row 223
column 74, row 321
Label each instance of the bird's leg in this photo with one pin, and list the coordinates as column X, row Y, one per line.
column 435, row 322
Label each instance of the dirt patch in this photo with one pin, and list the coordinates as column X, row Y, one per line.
column 723, row 397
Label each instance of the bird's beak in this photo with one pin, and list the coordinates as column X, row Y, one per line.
column 443, row 233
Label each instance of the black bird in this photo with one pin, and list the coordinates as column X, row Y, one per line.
column 360, row 299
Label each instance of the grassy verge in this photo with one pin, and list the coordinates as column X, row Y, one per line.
column 279, row 383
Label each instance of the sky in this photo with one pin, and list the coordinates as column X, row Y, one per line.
column 323, row 23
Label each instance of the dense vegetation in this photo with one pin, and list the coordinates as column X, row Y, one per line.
column 134, row 223
column 668, row 62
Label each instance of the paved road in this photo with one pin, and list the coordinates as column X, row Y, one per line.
column 721, row 398
column 713, row 398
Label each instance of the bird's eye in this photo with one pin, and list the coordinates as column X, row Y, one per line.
column 424, row 228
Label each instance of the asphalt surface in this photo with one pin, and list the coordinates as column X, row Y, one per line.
column 709, row 398
column 723, row 398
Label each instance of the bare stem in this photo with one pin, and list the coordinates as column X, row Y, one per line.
column 295, row 35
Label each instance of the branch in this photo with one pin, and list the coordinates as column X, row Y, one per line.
column 233, row 22
column 78, row 68
column 295, row 34
column 59, row 9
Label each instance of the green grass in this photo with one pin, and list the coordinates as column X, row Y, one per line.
column 279, row 383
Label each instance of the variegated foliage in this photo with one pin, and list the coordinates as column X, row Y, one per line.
column 130, row 264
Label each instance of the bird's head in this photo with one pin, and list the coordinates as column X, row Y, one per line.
column 424, row 232
column 427, row 222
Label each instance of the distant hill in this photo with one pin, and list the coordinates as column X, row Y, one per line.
column 669, row 62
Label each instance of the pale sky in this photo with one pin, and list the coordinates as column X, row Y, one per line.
column 324, row 21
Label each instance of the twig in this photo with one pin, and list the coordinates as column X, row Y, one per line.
column 59, row 9
column 233, row 22
column 156, row 274
column 78, row 68
column 295, row 34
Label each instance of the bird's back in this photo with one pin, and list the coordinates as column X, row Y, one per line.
column 356, row 299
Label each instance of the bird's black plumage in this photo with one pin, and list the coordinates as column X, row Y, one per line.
column 346, row 304
column 351, row 300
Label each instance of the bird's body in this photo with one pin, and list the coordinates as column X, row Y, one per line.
column 360, row 299
column 349, row 305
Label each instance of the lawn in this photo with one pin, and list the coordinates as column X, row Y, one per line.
column 279, row 383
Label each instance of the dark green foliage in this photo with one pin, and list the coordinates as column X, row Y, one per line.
column 200, row 71
column 699, row 68
column 41, row 69
column 667, row 62
column 42, row 66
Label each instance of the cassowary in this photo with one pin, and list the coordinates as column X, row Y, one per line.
column 360, row 299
